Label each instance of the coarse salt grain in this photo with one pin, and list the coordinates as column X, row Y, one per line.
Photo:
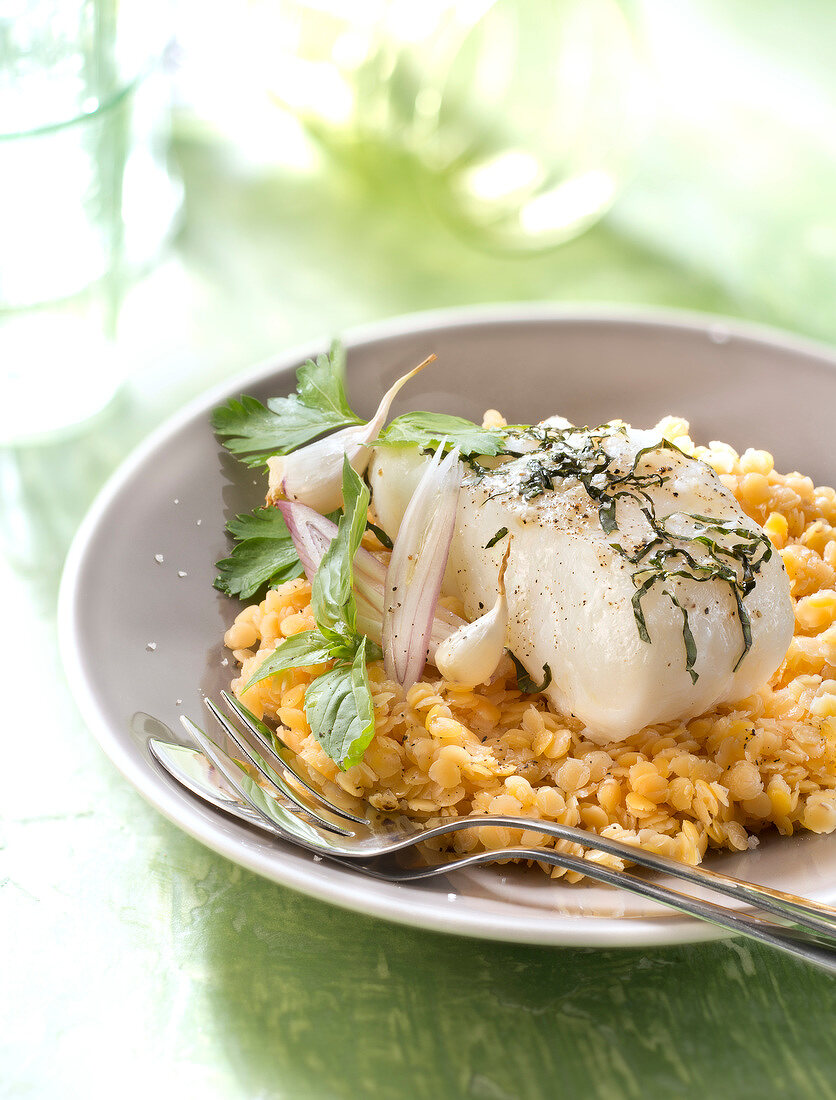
column 159, row 559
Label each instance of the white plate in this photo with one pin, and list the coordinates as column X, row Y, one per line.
column 743, row 385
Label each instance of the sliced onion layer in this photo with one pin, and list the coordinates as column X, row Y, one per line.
column 312, row 535
column 416, row 569
column 313, row 475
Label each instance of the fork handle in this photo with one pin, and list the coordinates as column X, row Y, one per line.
column 789, row 940
column 814, row 916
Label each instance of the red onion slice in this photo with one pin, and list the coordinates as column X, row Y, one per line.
column 416, row 569
column 304, row 525
column 312, row 534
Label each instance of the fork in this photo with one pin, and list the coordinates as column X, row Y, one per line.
column 283, row 803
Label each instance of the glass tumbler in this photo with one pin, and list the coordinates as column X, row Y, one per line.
column 86, row 198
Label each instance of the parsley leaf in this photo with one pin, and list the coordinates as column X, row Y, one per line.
column 265, row 554
column 254, row 432
column 321, row 385
column 340, row 710
column 427, row 429
column 332, row 595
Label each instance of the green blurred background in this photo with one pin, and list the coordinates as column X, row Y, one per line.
column 343, row 162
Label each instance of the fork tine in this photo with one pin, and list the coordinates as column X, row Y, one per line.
column 262, row 735
column 275, row 780
column 232, row 774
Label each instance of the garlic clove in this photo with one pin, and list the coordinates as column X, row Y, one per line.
column 472, row 653
column 313, row 475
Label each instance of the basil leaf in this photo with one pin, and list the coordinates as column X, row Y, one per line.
column 340, row 710
column 307, row 648
column 379, row 534
column 265, row 554
column 427, row 429
column 501, row 533
column 255, row 432
column 332, row 595
column 524, row 681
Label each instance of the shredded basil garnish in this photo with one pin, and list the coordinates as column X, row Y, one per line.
column 733, row 554
column 501, row 533
column 524, row 681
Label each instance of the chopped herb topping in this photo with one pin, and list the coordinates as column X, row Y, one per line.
column 501, row 533
column 733, row 554
column 524, row 681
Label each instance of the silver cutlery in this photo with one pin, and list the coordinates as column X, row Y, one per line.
column 282, row 802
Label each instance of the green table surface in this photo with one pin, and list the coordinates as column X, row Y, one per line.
column 136, row 963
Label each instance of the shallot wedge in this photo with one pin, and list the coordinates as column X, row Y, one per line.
column 313, row 475
column 416, row 568
column 312, row 535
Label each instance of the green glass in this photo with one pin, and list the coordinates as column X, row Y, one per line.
column 87, row 200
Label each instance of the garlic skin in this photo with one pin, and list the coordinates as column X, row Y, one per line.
column 472, row 654
column 313, row 475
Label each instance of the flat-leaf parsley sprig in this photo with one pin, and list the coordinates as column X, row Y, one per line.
column 264, row 554
column 254, row 432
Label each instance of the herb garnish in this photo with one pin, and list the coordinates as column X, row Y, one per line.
column 501, row 533
column 428, row 430
column 264, row 554
column 254, row 432
column 379, row 534
column 734, row 554
column 338, row 704
column 524, row 681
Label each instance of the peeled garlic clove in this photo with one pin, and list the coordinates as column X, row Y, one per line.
column 471, row 654
column 313, row 475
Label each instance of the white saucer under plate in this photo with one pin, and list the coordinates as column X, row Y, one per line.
column 143, row 637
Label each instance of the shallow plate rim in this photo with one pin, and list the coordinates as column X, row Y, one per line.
column 562, row 930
